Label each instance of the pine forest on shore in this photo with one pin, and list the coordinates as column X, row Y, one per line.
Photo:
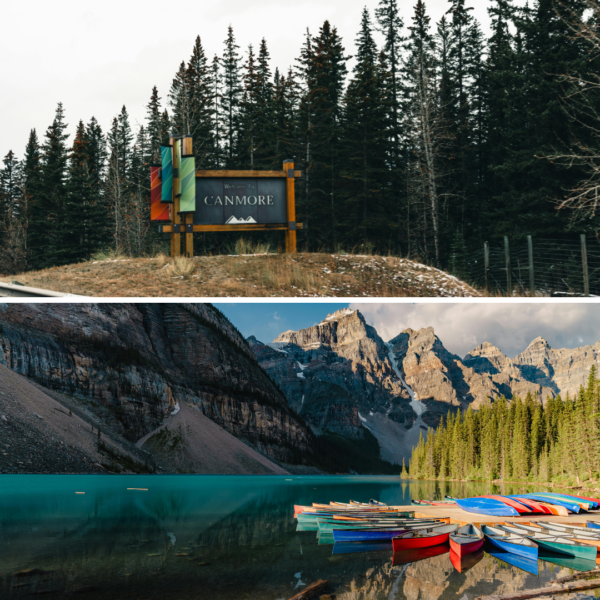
column 522, row 441
column 435, row 141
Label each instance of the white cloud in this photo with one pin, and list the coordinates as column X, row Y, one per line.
column 510, row 327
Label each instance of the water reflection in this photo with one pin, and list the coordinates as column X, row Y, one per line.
column 222, row 538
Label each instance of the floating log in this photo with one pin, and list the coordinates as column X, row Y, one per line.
column 312, row 590
column 582, row 575
column 565, row 588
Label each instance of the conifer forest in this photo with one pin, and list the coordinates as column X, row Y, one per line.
column 436, row 139
column 521, row 440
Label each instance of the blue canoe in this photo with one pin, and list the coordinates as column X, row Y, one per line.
column 592, row 525
column 511, row 543
column 366, row 535
column 487, row 506
column 548, row 500
column 526, row 564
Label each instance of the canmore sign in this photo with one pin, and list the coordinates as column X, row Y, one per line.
column 190, row 201
column 224, row 201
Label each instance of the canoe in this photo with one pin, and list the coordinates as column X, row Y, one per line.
column 571, row 506
column 513, row 543
column 565, row 530
column 405, row 557
column 369, row 526
column 586, row 531
column 487, row 506
column 528, row 565
column 366, row 535
column 555, row 543
column 352, row 547
column 411, row 540
column 552, row 509
column 593, row 525
column 591, row 504
column 577, row 564
column 463, row 563
column 433, row 503
column 533, row 505
column 583, row 504
column 362, row 517
column 466, row 539
column 518, row 506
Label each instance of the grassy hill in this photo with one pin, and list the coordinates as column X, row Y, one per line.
column 249, row 275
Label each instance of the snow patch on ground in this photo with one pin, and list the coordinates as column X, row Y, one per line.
column 176, row 409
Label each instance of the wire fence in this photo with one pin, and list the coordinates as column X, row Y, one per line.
column 539, row 267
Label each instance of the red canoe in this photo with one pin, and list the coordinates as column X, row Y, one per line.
column 520, row 508
column 425, row 539
column 541, row 508
column 466, row 539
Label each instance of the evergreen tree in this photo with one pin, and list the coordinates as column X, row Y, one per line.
column 154, row 127
column 366, row 212
column 325, row 70
column 49, row 213
column 79, row 230
column 200, row 84
column 230, row 100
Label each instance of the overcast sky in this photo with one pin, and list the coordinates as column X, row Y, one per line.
column 96, row 56
column 461, row 327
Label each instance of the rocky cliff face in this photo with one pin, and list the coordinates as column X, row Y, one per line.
column 438, row 376
column 133, row 363
column 540, row 368
column 342, row 351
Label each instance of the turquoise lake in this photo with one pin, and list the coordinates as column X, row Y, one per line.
column 219, row 537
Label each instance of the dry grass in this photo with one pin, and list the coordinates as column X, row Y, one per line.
column 250, row 274
column 181, row 267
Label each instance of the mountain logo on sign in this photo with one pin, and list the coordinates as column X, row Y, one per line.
column 235, row 221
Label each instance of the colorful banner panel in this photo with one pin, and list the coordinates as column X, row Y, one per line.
column 187, row 179
column 177, row 150
column 158, row 210
column 167, row 173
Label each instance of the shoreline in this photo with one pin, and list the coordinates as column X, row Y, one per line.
column 502, row 482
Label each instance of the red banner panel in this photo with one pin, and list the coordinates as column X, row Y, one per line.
column 158, row 210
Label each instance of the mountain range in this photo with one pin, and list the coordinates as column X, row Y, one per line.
column 176, row 388
column 399, row 388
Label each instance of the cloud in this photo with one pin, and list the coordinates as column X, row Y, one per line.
column 511, row 326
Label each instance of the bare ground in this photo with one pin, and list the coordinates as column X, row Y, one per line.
column 189, row 442
column 266, row 275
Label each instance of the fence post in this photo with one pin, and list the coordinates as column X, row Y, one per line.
column 486, row 265
column 531, row 273
column 584, row 262
column 508, row 273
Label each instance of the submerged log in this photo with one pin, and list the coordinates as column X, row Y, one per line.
column 565, row 588
column 312, row 590
column 582, row 575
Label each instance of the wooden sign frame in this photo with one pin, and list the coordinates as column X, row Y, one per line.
column 177, row 228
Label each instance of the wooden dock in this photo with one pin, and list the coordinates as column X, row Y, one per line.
column 458, row 515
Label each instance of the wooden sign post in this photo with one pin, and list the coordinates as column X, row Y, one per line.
column 232, row 201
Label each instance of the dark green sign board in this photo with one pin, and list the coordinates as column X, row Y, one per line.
column 239, row 200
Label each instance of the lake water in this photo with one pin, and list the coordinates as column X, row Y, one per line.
column 192, row 537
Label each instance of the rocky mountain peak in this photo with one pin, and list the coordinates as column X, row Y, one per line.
column 485, row 350
column 342, row 313
column 344, row 331
column 539, row 343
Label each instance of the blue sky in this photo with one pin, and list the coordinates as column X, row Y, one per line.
column 460, row 326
